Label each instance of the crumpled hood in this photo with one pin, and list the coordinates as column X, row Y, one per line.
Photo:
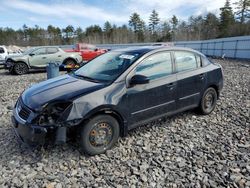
column 60, row 88
column 13, row 56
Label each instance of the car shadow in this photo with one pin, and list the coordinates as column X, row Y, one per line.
column 12, row 146
column 1, row 66
column 5, row 73
column 163, row 121
column 36, row 71
column 30, row 72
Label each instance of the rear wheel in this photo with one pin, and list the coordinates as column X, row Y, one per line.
column 99, row 134
column 208, row 101
column 70, row 63
column 20, row 68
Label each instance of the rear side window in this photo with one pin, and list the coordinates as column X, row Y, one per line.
column 185, row 61
column 156, row 66
column 1, row 50
column 205, row 61
column 198, row 60
column 52, row 50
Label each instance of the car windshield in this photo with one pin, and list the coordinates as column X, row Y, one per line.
column 28, row 51
column 107, row 67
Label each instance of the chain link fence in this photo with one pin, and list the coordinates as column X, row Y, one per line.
column 233, row 47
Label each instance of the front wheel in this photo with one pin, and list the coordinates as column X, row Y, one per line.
column 208, row 101
column 20, row 68
column 99, row 134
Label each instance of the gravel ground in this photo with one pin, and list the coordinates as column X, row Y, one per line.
column 186, row 150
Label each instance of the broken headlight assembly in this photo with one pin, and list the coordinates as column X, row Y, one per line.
column 53, row 114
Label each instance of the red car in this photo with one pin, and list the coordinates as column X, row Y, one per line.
column 87, row 51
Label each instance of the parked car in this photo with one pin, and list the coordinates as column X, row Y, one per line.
column 87, row 51
column 115, row 93
column 39, row 57
column 165, row 44
column 3, row 54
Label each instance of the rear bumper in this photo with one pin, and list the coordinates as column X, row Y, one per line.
column 30, row 134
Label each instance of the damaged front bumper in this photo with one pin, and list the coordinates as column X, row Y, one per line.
column 30, row 134
column 35, row 134
column 8, row 64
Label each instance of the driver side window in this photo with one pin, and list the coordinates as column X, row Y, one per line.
column 156, row 66
column 40, row 51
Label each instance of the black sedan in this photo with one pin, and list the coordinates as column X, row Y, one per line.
column 115, row 93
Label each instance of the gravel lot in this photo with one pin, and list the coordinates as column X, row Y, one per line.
column 186, row 150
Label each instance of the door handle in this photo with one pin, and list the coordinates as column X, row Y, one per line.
column 201, row 76
column 171, row 85
column 43, row 57
column 59, row 56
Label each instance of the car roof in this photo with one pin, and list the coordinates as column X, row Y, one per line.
column 146, row 49
column 36, row 47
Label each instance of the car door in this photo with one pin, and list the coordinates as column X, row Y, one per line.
column 156, row 97
column 190, row 78
column 89, row 54
column 54, row 55
column 38, row 58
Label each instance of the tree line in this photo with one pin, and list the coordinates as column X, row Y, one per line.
column 202, row 27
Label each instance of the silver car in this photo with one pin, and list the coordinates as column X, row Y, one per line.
column 39, row 57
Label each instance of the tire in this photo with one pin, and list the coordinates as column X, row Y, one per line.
column 208, row 101
column 99, row 134
column 20, row 68
column 70, row 62
column 11, row 70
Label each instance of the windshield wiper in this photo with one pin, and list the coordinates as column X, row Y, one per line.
column 87, row 78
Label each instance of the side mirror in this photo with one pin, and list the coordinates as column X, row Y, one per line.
column 139, row 79
column 96, row 50
column 31, row 54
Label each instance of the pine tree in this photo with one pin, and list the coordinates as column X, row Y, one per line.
column 243, row 10
column 107, row 27
column 154, row 21
column 134, row 21
column 108, row 31
column 210, row 26
column 174, row 21
column 141, row 30
column 138, row 26
column 165, row 32
column 79, row 34
column 226, row 19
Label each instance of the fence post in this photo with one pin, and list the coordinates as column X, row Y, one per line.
column 214, row 48
column 236, row 48
column 222, row 48
column 52, row 70
column 207, row 48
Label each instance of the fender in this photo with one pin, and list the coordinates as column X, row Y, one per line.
column 103, row 109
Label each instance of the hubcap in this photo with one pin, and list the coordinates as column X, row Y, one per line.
column 20, row 68
column 101, row 134
column 209, row 101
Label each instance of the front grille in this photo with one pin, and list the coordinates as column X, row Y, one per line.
column 23, row 111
